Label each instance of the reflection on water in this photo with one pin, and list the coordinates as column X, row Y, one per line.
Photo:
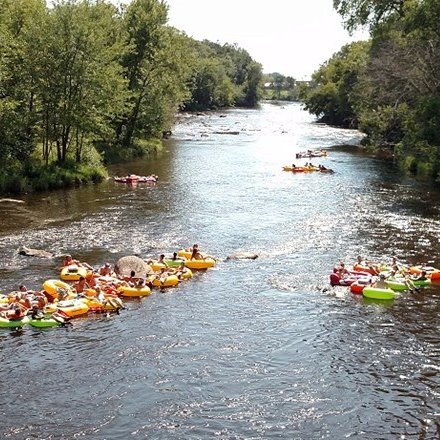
column 251, row 349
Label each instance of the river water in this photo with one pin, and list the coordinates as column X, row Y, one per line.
column 251, row 349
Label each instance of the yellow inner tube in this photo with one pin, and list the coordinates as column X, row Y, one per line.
column 73, row 272
column 187, row 274
column 184, row 253
column 168, row 281
column 134, row 291
column 200, row 264
column 52, row 287
column 73, row 308
column 157, row 266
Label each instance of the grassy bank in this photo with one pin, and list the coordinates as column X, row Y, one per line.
column 140, row 148
column 18, row 179
column 33, row 175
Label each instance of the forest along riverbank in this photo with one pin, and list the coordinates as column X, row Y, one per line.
column 253, row 347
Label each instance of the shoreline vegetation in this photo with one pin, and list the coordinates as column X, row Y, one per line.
column 85, row 83
column 387, row 87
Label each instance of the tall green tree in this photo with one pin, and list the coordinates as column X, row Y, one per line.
column 21, row 22
column 358, row 13
column 332, row 93
column 80, row 78
column 155, row 69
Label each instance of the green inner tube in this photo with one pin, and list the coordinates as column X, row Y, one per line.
column 174, row 263
column 375, row 293
column 44, row 323
column 398, row 286
column 13, row 323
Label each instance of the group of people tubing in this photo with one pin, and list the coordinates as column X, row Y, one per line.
column 100, row 284
column 379, row 272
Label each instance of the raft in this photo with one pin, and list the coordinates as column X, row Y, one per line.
column 134, row 291
column 363, row 268
column 133, row 178
column 175, row 263
column 200, row 264
column 377, row 293
column 13, row 323
column 112, row 304
column 73, row 272
column 73, row 308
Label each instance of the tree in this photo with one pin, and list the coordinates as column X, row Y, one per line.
column 156, row 70
column 358, row 13
column 331, row 94
column 80, row 79
column 21, row 22
column 223, row 76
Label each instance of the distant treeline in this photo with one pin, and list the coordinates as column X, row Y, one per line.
column 388, row 87
column 279, row 87
column 84, row 82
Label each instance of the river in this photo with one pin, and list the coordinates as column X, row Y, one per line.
column 253, row 349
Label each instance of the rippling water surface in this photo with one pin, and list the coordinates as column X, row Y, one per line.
column 249, row 350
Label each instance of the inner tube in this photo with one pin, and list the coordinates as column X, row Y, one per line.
column 13, row 323
column 200, row 264
column 73, row 272
column 134, row 291
column 169, row 281
column 44, row 322
column 73, row 308
column 52, row 287
column 377, row 293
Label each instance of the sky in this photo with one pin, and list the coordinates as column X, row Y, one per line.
column 291, row 37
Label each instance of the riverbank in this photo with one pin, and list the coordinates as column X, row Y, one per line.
column 21, row 178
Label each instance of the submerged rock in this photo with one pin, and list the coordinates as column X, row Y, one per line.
column 242, row 256
column 125, row 265
column 29, row 252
